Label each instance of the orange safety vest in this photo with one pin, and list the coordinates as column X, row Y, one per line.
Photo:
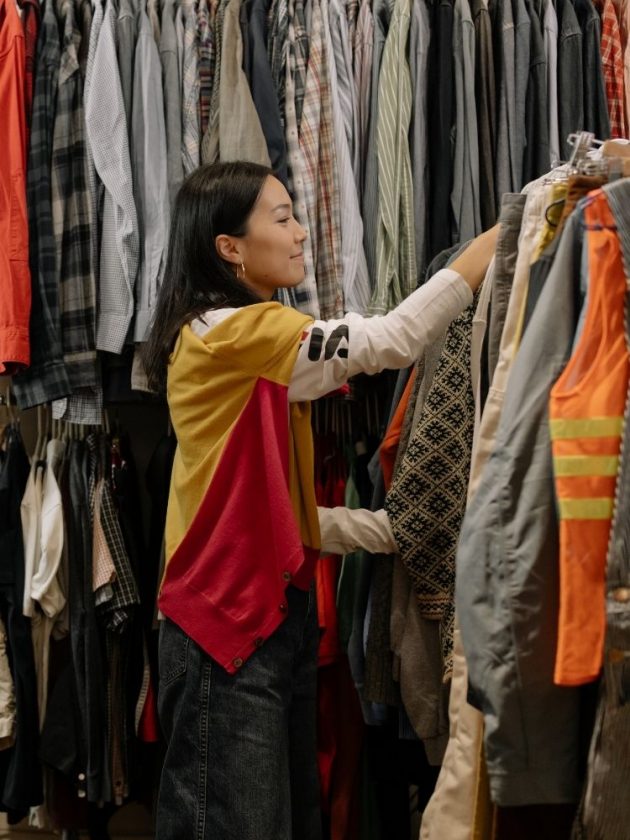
column 586, row 411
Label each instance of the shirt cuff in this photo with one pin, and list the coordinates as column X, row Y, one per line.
column 344, row 530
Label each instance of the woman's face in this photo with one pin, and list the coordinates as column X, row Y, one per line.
column 271, row 251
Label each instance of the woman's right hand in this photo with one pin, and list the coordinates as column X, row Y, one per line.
column 473, row 263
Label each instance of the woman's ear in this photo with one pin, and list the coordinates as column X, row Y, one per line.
column 228, row 248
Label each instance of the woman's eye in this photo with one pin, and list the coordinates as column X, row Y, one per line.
column 283, row 221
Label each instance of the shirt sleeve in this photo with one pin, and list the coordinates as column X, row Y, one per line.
column 332, row 351
column 344, row 530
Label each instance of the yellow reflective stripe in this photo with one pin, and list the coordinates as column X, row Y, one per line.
column 590, row 427
column 585, row 508
column 591, row 465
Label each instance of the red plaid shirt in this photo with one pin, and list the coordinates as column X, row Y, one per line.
column 612, row 63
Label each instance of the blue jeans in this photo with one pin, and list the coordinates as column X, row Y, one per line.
column 241, row 759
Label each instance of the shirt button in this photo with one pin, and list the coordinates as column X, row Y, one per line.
column 286, row 575
column 282, row 607
column 237, row 662
column 258, row 641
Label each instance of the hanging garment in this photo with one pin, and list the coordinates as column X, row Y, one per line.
column 381, row 12
column 460, row 806
column 46, row 379
column 109, row 145
column 172, row 93
column 441, row 117
column 419, row 45
column 148, row 156
column 537, row 159
column 505, row 52
column 604, row 811
column 31, row 22
column 71, row 213
column 126, row 36
column 88, row 665
column 258, row 72
column 206, row 62
column 362, row 53
column 535, row 204
column 485, row 97
column 507, row 579
column 7, row 695
column 370, row 650
column 236, row 132
column 396, row 275
column 191, row 140
column 354, row 278
column 612, row 65
column 550, row 30
column 304, row 295
column 510, row 218
column 278, row 22
column 321, row 186
column 210, row 141
column 465, row 195
column 20, row 773
column 594, row 88
column 518, row 135
column 14, row 269
column 570, row 95
column 585, row 419
column 426, row 503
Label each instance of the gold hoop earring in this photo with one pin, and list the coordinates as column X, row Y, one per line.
column 243, row 272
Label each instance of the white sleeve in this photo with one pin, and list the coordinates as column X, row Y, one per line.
column 333, row 351
column 344, row 530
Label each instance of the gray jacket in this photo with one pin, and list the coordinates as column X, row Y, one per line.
column 507, row 570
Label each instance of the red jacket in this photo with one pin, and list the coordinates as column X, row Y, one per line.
column 15, row 279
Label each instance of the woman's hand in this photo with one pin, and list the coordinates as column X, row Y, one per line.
column 474, row 262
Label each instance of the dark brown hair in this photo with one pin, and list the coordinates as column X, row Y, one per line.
column 213, row 200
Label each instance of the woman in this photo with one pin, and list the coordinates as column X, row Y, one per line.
column 238, row 643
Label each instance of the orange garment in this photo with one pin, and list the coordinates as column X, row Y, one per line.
column 15, row 279
column 586, row 415
column 389, row 445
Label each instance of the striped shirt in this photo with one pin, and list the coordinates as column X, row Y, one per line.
column 395, row 244
column 320, row 182
column 355, row 280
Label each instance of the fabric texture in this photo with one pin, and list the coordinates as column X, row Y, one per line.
column 426, row 502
